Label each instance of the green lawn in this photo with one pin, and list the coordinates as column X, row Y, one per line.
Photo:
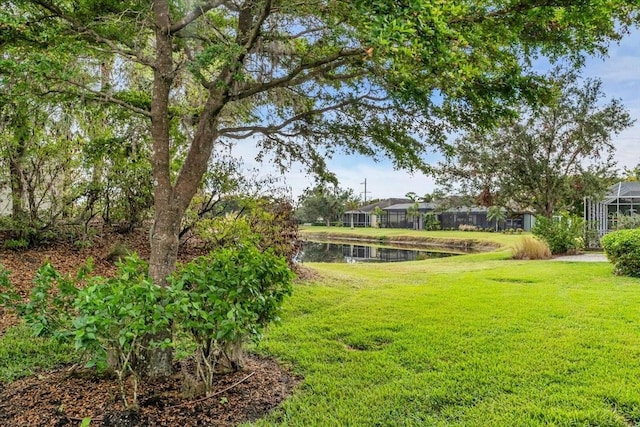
column 472, row 341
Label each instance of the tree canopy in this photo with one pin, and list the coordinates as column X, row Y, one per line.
column 325, row 203
column 556, row 152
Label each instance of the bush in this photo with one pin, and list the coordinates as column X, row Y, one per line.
column 227, row 298
column 115, row 317
column 529, row 248
column 22, row 233
column 622, row 248
column 219, row 302
column 267, row 224
column 16, row 244
column 467, row 227
column 563, row 233
column 431, row 222
column 624, row 222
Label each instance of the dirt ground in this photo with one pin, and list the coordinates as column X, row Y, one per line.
column 66, row 396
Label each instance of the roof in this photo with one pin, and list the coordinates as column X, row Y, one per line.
column 622, row 189
column 465, row 209
column 406, row 206
column 434, row 206
column 383, row 204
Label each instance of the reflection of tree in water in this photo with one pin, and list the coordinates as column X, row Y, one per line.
column 321, row 252
column 334, row 252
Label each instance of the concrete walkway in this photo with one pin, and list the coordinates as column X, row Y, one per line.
column 587, row 257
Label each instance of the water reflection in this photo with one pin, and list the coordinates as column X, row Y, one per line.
column 350, row 253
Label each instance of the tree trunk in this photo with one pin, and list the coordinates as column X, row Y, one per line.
column 17, row 188
column 164, row 254
column 171, row 200
column 16, row 171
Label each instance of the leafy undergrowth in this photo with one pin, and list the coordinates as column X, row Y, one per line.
column 68, row 258
column 41, row 383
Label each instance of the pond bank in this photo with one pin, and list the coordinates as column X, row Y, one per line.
column 422, row 242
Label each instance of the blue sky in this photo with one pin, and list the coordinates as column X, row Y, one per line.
column 620, row 75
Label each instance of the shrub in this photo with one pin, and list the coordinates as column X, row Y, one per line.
column 109, row 319
column 467, row 227
column 16, row 244
column 116, row 317
column 529, row 248
column 622, row 248
column 226, row 298
column 267, row 224
column 562, row 233
column 51, row 312
column 23, row 233
column 624, row 222
column 219, row 301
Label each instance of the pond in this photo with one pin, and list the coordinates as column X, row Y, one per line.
column 355, row 253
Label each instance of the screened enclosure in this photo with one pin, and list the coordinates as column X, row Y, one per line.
column 622, row 198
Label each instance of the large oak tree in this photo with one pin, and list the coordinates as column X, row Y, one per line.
column 556, row 153
column 300, row 78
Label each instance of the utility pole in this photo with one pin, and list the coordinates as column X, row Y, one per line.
column 365, row 190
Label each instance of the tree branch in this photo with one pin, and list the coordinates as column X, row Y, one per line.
column 93, row 35
column 252, row 130
column 515, row 9
column 197, row 12
column 100, row 97
column 283, row 81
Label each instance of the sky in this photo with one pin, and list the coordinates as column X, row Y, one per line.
column 620, row 75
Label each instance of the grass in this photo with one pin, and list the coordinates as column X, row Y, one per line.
column 22, row 355
column 530, row 248
column 465, row 341
column 474, row 340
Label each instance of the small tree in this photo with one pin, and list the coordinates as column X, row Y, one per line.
column 497, row 214
column 541, row 159
column 323, row 202
column 413, row 212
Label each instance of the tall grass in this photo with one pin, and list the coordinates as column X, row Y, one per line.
column 530, row 248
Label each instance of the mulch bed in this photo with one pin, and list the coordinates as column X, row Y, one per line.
column 65, row 396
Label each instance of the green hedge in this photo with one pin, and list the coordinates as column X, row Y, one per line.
column 622, row 247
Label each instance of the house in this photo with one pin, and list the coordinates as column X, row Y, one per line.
column 364, row 216
column 416, row 216
column 622, row 198
column 403, row 215
column 477, row 215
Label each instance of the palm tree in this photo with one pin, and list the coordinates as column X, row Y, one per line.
column 414, row 212
column 497, row 214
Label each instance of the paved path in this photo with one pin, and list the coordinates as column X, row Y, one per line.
column 588, row 257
